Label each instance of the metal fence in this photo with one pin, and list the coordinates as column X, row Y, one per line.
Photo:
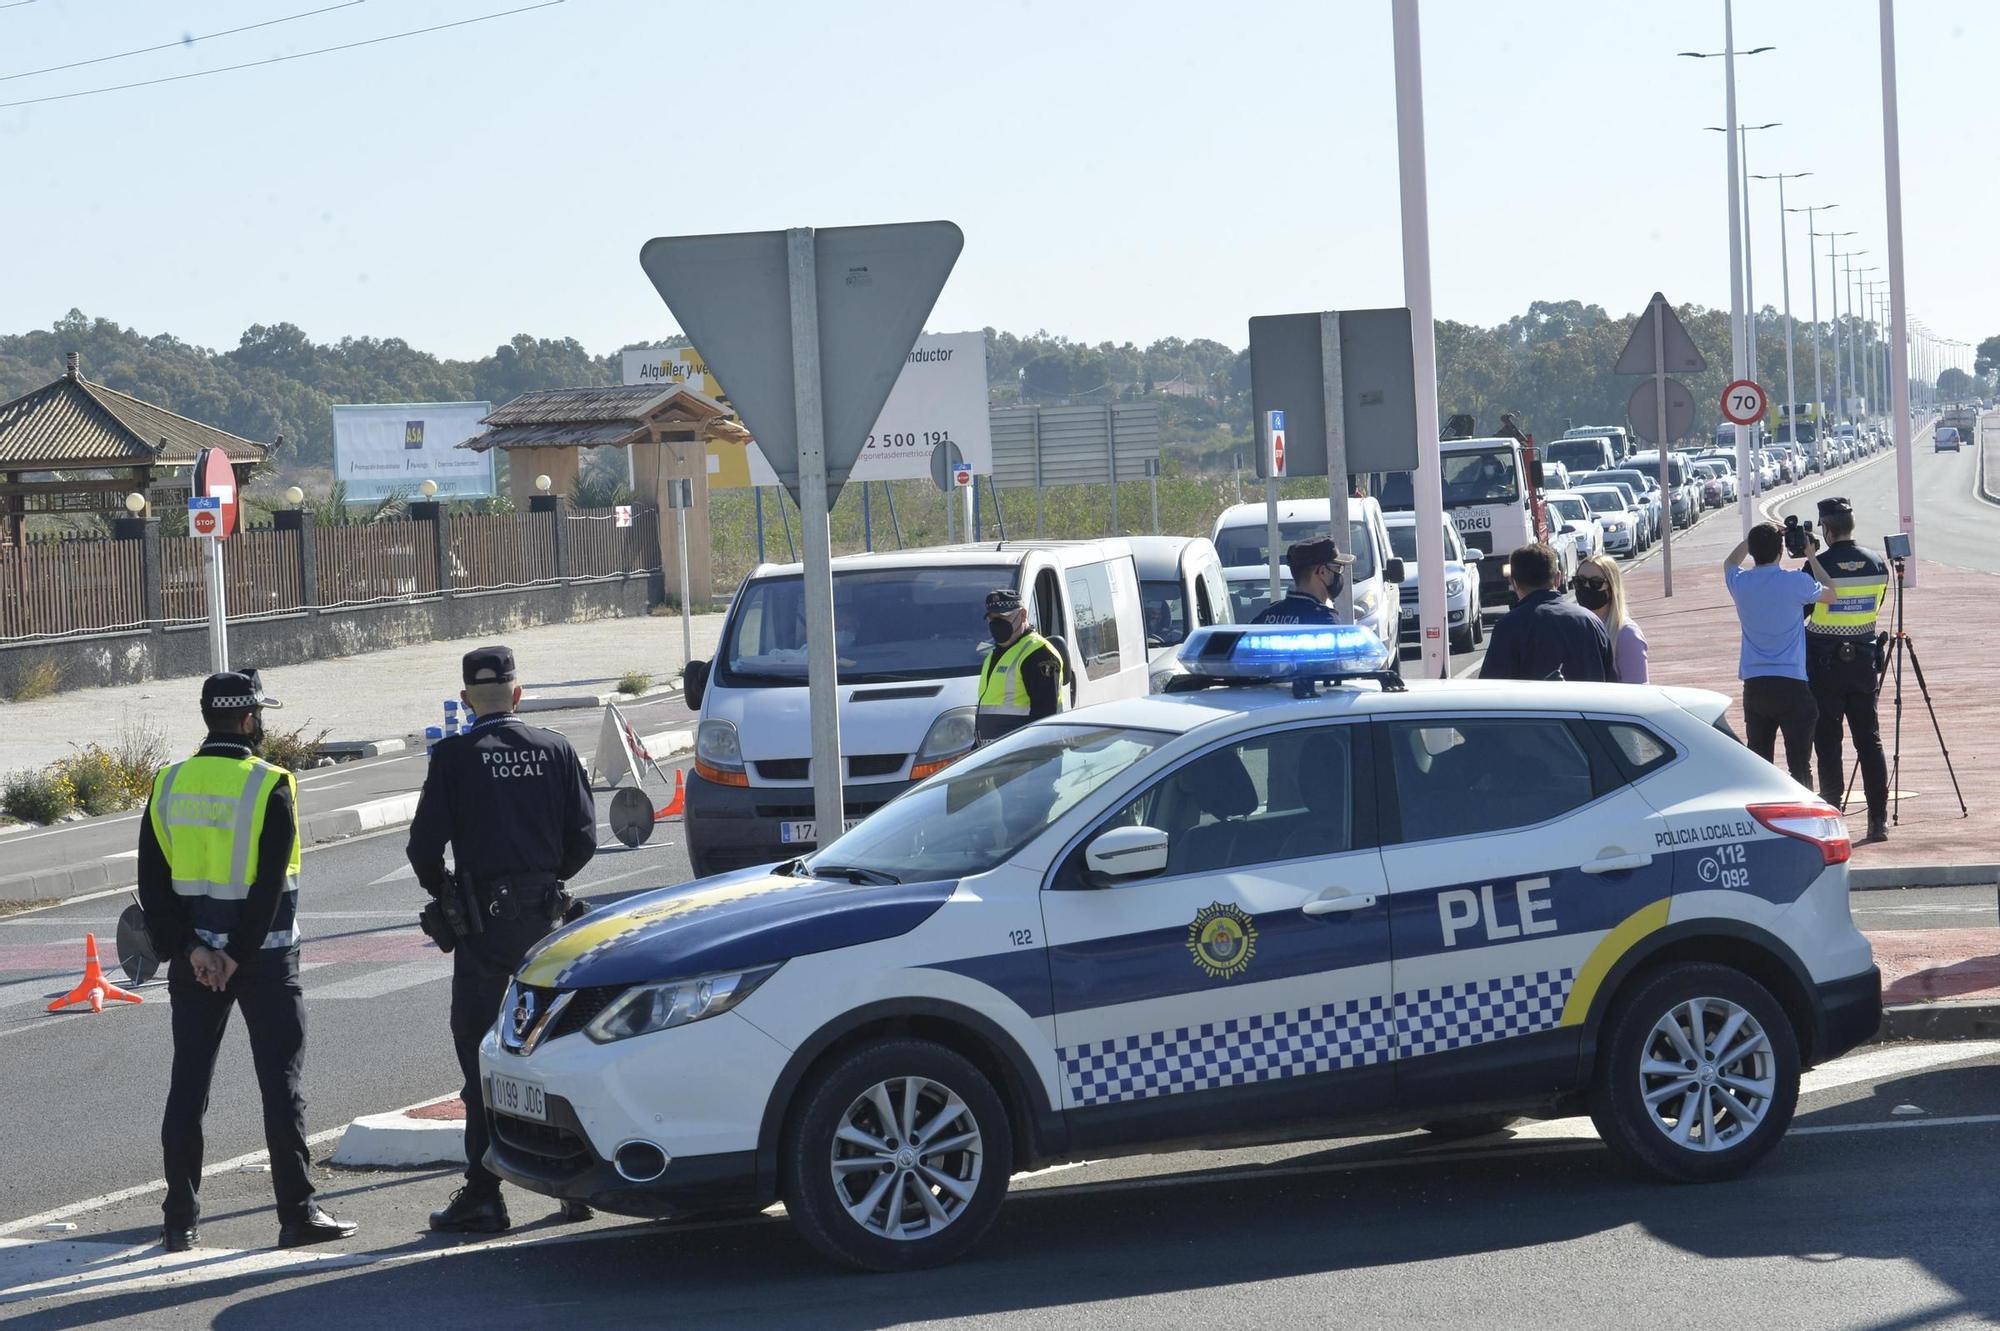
column 382, row 561
column 70, row 585
column 600, row 548
column 500, row 550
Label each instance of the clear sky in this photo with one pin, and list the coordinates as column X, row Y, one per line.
column 1121, row 170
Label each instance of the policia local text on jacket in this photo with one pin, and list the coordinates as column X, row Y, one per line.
column 513, row 803
column 1843, row 667
column 218, row 882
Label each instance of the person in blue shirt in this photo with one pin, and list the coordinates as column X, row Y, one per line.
column 1318, row 568
column 1770, row 608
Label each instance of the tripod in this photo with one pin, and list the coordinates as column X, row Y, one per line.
column 1901, row 645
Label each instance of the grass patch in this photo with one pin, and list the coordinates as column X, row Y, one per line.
column 634, row 682
column 293, row 750
column 38, row 679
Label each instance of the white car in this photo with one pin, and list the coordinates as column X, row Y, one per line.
column 1374, row 578
column 1578, row 521
column 1291, row 899
column 1618, row 517
column 1464, row 614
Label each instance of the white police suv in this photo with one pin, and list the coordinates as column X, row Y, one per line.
column 1290, row 899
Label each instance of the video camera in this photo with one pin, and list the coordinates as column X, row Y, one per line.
column 1796, row 535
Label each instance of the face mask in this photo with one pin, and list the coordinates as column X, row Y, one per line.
column 1334, row 581
column 256, row 735
column 1592, row 598
column 1001, row 629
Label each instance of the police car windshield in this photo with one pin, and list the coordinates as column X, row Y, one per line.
column 1471, row 476
column 889, row 624
column 1244, row 546
column 978, row 813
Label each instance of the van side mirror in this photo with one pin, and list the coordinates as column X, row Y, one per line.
column 694, row 683
column 1127, row 852
column 1394, row 570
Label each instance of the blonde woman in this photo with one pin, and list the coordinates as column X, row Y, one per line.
column 1600, row 589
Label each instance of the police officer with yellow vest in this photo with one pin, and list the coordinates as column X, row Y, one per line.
column 514, row 804
column 1843, row 665
column 219, row 884
column 1022, row 677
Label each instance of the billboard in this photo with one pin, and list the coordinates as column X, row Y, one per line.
column 381, row 449
column 940, row 397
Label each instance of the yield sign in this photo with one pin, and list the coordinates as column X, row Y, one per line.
column 875, row 286
column 1682, row 354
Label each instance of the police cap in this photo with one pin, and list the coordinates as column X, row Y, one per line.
column 1002, row 601
column 1312, row 553
column 235, row 691
column 1835, row 507
column 489, row 665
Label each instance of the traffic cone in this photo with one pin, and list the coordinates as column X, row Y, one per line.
column 676, row 805
column 94, row 988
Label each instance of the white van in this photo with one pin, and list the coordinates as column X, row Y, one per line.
column 910, row 629
column 1375, row 574
column 1488, row 496
column 1182, row 589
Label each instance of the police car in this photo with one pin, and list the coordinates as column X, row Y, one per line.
column 1287, row 900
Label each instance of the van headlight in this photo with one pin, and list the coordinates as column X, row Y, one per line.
column 950, row 738
column 718, row 754
column 645, row 1008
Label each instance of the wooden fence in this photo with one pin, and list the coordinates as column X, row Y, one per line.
column 501, row 550
column 71, row 585
column 599, row 547
column 380, row 561
column 260, row 571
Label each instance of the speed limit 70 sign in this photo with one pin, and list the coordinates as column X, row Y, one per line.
column 1743, row 402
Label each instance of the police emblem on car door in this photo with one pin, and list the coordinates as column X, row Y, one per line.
column 1252, row 967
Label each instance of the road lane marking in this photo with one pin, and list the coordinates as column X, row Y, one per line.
column 388, row 980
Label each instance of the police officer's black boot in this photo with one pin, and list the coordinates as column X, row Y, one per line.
column 179, row 1238
column 1878, row 826
column 573, row 1211
column 310, row 1224
column 472, row 1212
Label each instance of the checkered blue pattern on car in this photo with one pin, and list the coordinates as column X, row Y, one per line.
column 1229, row 1053
column 1452, row 1016
column 1327, row 1038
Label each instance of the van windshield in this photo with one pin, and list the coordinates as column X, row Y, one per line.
column 1582, row 453
column 888, row 625
column 1244, row 546
column 1471, row 476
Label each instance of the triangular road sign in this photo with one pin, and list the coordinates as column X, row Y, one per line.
column 875, row 286
column 1682, row 354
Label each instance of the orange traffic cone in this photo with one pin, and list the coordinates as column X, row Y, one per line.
column 94, row 988
column 678, row 803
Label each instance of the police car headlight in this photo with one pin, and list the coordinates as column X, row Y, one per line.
column 950, row 738
column 645, row 1008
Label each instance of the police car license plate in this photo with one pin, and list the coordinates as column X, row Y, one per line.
column 805, row 831
column 511, row 1095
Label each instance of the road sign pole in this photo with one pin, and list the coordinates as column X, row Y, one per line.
column 1660, row 438
column 1899, row 315
column 1333, row 399
column 687, row 612
column 815, row 536
column 1271, row 532
column 218, row 610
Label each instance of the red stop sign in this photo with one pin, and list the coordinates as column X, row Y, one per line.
column 203, row 522
column 214, row 476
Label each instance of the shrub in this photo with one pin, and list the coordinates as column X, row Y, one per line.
column 291, row 749
column 38, row 679
column 98, row 783
column 36, row 796
column 634, row 682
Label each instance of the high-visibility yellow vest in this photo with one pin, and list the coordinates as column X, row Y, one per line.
column 1860, row 584
column 208, row 816
column 1003, row 698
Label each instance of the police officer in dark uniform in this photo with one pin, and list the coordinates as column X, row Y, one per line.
column 1318, row 569
column 514, row 804
column 1843, row 665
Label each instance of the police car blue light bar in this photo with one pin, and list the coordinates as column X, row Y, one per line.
column 1285, row 651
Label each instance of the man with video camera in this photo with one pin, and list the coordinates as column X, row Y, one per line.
column 1844, row 665
column 1772, row 662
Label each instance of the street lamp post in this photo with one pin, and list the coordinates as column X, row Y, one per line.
column 1833, row 312
column 1812, row 274
column 1785, row 278
column 1892, row 190
column 1844, row 297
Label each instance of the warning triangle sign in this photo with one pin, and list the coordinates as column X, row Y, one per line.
column 1682, row 354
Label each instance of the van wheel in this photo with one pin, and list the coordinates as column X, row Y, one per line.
column 898, row 1157
column 1697, row 1074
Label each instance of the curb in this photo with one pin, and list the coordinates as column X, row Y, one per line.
column 1943, row 1020
column 338, row 824
column 558, row 702
column 1923, row 875
column 363, row 748
column 401, row 1140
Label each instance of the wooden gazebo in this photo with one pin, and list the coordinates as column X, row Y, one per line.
column 667, row 430
column 73, row 446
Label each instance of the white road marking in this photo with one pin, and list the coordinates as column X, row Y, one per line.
column 395, row 875
column 387, row 980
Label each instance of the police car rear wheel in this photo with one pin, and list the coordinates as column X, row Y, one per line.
column 899, row 1157
column 1698, row 1075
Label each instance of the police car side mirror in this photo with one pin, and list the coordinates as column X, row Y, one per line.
column 1394, row 570
column 1127, row 852
column 694, row 683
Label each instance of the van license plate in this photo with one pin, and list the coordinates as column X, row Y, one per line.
column 511, row 1095
column 805, row 831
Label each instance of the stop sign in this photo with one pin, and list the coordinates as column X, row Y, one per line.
column 204, row 522
column 214, row 476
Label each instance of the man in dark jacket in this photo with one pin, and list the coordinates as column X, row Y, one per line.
column 1545, row 636
column 1318, row 568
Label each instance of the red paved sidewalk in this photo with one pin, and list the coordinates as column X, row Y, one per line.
column 1692, row 639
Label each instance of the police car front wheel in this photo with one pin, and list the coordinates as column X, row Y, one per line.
column 1698, row 1074
column 898, row 1157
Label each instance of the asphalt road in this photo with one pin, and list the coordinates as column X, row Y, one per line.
column 1878, row 1211
column 1954, row 525
column 84, row 1091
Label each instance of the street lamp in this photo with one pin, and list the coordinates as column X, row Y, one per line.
column 543, row 483
column 1812, row 274
column 295, row 497
column 429, row 488
column 1785, row 276
column 135, row 503
column 1873, row 294
column 1749, row 246
column 1855, row 333
column 1833, row 310
column 1728, row 56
